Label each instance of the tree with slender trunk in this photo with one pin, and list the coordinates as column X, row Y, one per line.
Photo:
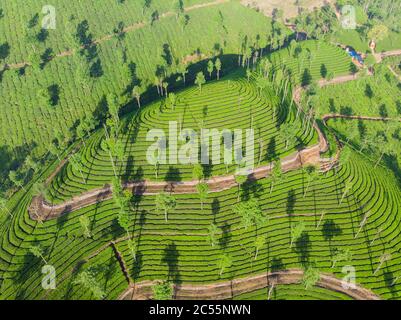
column 362, row 224
column 85, row 225
column 218, row 66
column 250, row 213
column 240, row 180
column 225, row 262
column 276, row 174
column 200, row 80
column 165, row 87
column 310, row 278
column 136, row 93
column 165, row 203
column 210, row 68
column 260, row 241
column 312, row 175
column 133, row 247
column 341, row 255
column 322, row 215
column 348, row 186
column 288, row 133
column 203, row 191
column 87, row 279
column 377, row 235
column 212, row 234
column 108, row 145
column 297, row 231
column 162, row 291
column 38, row 252
column 172, row 100
column 383, row 259
column 183, row 70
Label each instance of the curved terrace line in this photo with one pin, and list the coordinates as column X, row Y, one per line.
column 230, row 289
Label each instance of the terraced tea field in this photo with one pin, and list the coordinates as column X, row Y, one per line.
column 89, row 110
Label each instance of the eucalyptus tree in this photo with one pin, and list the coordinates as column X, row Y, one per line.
column 133, row 247
column 183, row 70
column 297, row 231
column 162, row 291
column 172, row 100
column 212, row 234
column 203, row 191
column 259, row 243
column 218, row 66
column 383, row 259
column 347, row 188
column 85, row 225
column 322, row 215
column 178, row 8
column 38, row 252
column 377, row 235
column 250, row 213
column 137, row 93
column 341, row 255
column 87, row 279
column 312, row 175
column 225, row 262
column 310, row 278
column 165, row 202
column 240, row 180
column 200, row 80
column 210, row 68
column 276, row 174
column 364, row 221
column 288, row 133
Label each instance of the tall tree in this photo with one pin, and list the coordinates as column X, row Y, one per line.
column 260, row 241
column 341, row 255
column 137, row 93
column 218, row 66
column 383, row 259
column 203, row 191
column 38, row 252
column 87, row 279
column 310, row 278
column 212, row 234
column 210, row 68
column 240, row 180
column 85, row 225
column 224, row 263
column 162, row 291
column 200, row 80
column 297, row 231
column 165, row 202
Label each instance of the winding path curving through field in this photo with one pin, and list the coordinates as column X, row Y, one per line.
column 229, row 289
